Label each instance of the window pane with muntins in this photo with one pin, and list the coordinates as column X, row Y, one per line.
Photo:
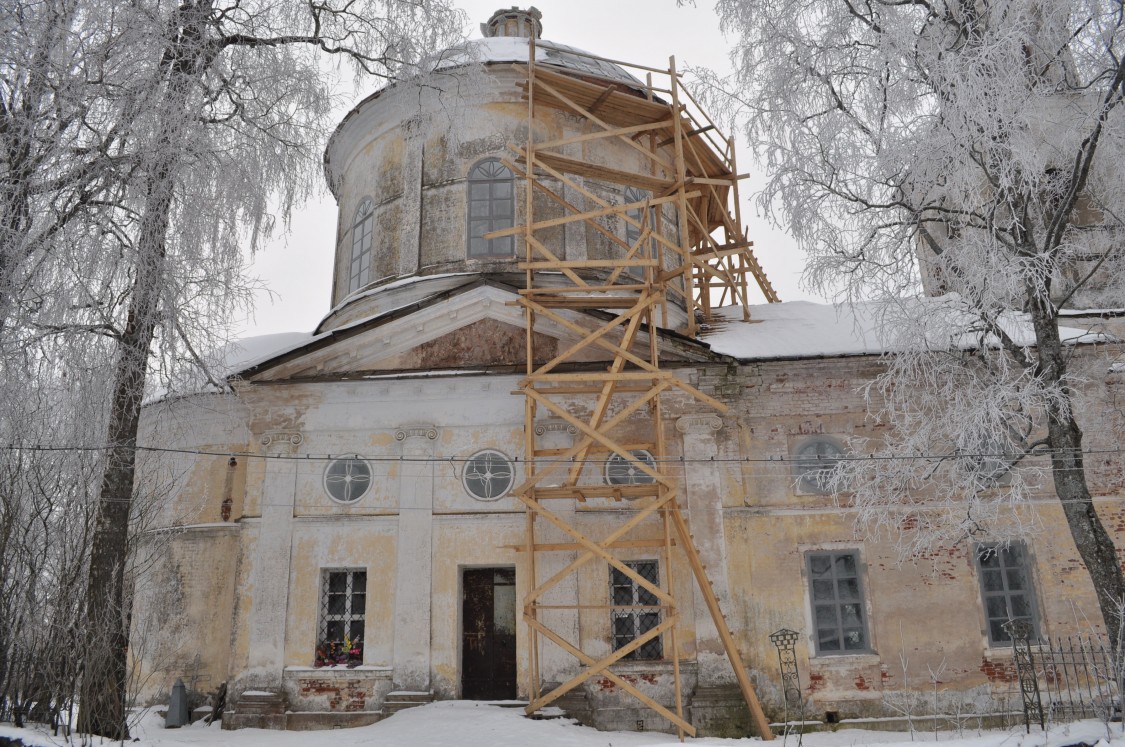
column 837, row 596
column 491, row 208
column 362, row 224
column 631, row 623
column 1006, row 589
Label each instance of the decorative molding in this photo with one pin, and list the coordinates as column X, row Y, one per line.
column 280, row 440
column 416, row 431
column 698, row 424
column 552, row 426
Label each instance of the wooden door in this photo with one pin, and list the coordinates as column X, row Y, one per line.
column 488, row 640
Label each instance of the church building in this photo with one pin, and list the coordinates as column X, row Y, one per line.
column 557, row 441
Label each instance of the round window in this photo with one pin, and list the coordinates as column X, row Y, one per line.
column 347, row 480
column 622, row 471
column 489, row 475
column 815, row 460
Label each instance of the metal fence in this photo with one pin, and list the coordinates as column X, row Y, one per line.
column 1064, row 678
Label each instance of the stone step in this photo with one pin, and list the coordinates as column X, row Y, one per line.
column 258, row 701
column 402, row 699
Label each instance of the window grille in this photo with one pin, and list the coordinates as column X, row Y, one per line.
column 1005, row 587
column 343, row 606
column 491, row 208
column 837, row 603
column 621, row 471
column 488, row 475
column 359, row 273
column 639, row 609
column 347, row 480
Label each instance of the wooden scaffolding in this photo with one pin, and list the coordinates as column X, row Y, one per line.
column 685, row 251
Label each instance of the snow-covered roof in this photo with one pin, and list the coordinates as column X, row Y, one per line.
column 777, row 331
column 514, row 49
column 802, row 329
column 248, row 351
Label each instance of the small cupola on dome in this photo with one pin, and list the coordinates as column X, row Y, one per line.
column 514, row 22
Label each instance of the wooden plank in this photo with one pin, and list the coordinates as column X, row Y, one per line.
column 690, row 133
column 602, row 667
column 602, row 438
column 588, row 336
column 606, row 395
column 539, row 225
column 583, row 264
column 613, row 239
column 618, row 288
column 594, row 491
column 712, row 603
column 623, row 214
column 581, row 111
column 598, row 135
column 603, row 173
column 574, row 546
column 610, row 89
column 634, row 521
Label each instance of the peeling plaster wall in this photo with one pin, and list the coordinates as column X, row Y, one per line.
column 410, row 149
column 752, row 529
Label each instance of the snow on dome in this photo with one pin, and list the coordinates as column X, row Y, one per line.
column 514, row 49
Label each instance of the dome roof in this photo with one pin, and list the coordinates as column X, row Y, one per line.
column 514, row 49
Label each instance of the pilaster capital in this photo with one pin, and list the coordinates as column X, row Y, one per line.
column 426, row 432
column 280, row 441
column 699, row 424
column 543, row 427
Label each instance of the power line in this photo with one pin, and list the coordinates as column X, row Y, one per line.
column 781, row 459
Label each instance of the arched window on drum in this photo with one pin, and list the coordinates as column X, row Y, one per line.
column 491, row 208
column 359, row 269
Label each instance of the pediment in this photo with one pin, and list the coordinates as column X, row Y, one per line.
column 475, row 329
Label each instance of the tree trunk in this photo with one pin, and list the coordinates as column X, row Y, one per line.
column 103, row 688
column 1094, row 544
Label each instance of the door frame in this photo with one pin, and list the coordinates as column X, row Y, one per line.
column 460, row 630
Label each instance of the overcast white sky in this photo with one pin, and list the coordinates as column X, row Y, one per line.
column 296, row 269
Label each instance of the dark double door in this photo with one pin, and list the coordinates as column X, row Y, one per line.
column 488, row 640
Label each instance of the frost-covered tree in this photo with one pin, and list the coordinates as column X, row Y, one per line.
column 970, row 148
column 146, row 143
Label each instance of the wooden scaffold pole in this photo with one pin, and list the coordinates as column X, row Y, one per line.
column 614, row 307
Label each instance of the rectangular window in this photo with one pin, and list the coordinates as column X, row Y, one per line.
column 343, row 606
column 836, row 596
column 639, row 610
column 1005, row 588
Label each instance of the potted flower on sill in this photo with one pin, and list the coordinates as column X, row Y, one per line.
column 336, row 653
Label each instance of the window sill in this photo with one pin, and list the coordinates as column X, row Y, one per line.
column 340, row 669
column 632, row 666
column 859, row 657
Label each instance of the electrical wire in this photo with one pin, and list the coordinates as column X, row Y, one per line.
column 781, row 459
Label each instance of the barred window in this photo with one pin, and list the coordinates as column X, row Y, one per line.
column 837, row 603
column 639, row 609
column 1005, row 587
column 491, row 208
column 359, row 272
column 343, row 606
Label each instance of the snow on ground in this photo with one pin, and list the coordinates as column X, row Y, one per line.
column 469, row 724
